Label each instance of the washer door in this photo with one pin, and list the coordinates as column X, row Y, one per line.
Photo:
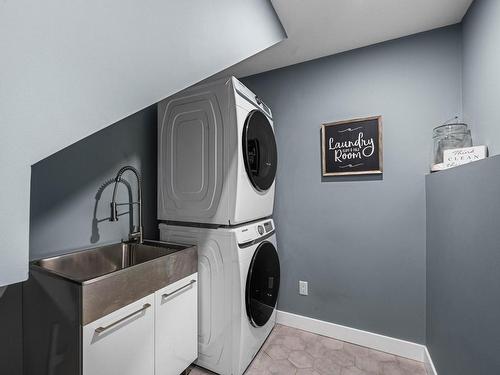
column 263, row 282
column 259, row 150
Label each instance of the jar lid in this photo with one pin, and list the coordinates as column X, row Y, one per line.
column 450, row 128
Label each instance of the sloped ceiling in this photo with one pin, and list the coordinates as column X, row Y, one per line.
column 319, row 28
column 70, row 68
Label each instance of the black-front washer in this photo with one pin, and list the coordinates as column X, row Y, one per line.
column 263, row 282
column 259, row 150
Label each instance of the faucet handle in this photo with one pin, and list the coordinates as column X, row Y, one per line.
column 114, row 212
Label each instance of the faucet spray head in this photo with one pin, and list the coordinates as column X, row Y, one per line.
column 114, row 212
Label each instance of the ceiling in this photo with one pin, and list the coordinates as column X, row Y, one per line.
column 318, row 28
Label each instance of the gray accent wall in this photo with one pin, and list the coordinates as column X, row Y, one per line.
column 360, row 241
column 71, row 190
column 463, row 268
column 481, row 78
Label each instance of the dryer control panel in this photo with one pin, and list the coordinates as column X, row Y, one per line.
column 250, row 97
column 254, row 231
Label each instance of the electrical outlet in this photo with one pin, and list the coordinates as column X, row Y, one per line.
column 303, row 288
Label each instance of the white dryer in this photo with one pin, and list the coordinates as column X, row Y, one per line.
column 238, row 277
column 217, row 155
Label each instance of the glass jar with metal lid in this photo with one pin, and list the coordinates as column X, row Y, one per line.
column 450, row 136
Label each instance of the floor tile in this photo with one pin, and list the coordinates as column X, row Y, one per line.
column 289, row 351
column 327, row 366
column 282, row 367
column 277, row 351
column 301, row 359
column 368, row 364
column 307, row 371
column 356, row 371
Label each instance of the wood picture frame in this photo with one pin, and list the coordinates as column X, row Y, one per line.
column 352, row 147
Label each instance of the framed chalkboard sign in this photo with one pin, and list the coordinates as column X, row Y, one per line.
column 352, row 147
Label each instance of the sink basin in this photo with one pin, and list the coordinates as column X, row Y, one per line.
column 106, row 278
column 93, row 263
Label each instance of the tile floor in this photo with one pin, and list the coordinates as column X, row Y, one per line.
column 289, row 351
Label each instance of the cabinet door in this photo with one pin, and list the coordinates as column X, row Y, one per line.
column 176, row 331
column 121, row 342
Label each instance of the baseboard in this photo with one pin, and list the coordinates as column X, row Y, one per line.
column 370, row 340
column 429, row 365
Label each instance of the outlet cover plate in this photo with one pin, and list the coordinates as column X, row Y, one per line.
column 303, row 288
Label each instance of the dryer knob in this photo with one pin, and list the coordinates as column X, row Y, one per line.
column 260, row 229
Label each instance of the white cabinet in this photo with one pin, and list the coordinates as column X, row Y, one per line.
column 176, row 326
column 156, row 335
column 121, row 342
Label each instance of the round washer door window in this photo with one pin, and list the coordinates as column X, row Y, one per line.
column 259, row 151
column 263, row 282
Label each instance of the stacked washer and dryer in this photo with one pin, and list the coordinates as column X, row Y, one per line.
column 217, row 162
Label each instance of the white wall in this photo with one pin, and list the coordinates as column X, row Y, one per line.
column 70, row 68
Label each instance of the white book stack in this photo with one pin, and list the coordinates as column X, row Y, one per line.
column 459, row 156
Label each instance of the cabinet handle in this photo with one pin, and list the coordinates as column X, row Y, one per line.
column 178, row 289
column 102, row 329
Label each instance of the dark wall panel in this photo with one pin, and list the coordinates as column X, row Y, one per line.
column 11, row 334
column 463, row 268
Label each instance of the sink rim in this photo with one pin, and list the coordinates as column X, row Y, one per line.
column 174, row 247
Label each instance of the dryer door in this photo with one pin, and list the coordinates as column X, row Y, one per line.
column 263, row 282
column 259, row 150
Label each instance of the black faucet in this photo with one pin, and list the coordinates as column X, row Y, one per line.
column 135, row 234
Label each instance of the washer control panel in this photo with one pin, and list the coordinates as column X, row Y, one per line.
column 254, row 231
column 268, row 226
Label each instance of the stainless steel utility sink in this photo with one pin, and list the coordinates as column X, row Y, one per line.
column 93, row 263
column 106, row 278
